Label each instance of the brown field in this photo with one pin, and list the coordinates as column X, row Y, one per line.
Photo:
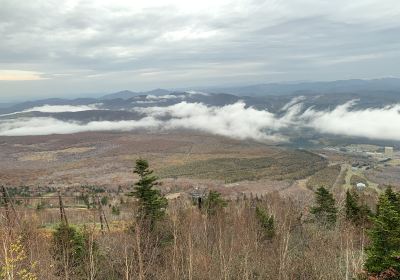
column 325, row 177
column 94, row 173
column 183, row 159
column 389, row 175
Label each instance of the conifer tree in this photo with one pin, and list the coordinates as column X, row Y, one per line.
column 356, row 212
column 266, row 222
column 152, row 204
column 214, row 203
column 68, row 250
column 324, row 210
column 352, row 208
column 393, row 197
column 383, row 254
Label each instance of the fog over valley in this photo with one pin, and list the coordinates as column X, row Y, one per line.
column 238, row 117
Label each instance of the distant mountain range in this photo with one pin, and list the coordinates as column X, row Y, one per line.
column 126, row 94
column 340, row 86
column 117, row 110
column 320, row 95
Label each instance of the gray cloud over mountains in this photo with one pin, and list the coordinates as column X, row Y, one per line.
column 235, row 121
column 75, row 46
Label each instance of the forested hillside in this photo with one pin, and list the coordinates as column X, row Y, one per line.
column 202, row 236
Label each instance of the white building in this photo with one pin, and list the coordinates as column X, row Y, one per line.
column 360, row 186
column 389, row 151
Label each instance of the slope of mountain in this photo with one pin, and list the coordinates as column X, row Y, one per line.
column 126, row 94
column 341, row 86
column 272, row 103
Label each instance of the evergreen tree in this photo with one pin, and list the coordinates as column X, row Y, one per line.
column 104, row 200
column 352, row 208
column 68, row 250
column 383, row 254
column 393, row 197
column 152, row 204
column 355, row 212
column 324, row 210
column 266, row 222
column 115, row 210
column 214, row 203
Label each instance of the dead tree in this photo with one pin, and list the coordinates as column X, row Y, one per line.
column 7, row 205
column 102, row 216
column 63, row 216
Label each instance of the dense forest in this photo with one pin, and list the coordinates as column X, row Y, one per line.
column 208, row 237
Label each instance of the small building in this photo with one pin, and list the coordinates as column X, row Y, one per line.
column 198, row 195
column 389, row 152
column 360, row 186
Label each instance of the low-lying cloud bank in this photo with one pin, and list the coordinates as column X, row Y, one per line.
column 57, row 109
column 374, row 123
column 62, row 108
column 235, row 121
column 47, row 126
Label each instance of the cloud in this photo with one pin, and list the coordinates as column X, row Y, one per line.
column 177, row 43
column 374, row 123
column 236, row 121
column 62, row 108
column 57, row 109
column 194, row 92
column 19, row 75
column 292, row 102
column 152, row 99
column 48, row 126
column 167, row 96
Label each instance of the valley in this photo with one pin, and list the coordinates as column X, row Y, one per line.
column 183, row 159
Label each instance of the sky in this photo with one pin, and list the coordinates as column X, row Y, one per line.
column 74, row 48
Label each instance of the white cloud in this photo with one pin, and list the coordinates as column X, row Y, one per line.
column 48, row 126
column 235, row 121
column 375, row 123
column 292, row 102
column 188, row 34
column 20, row 75
column 194, row 92
column 62, row 108
column 167, row 96
column 57, row 109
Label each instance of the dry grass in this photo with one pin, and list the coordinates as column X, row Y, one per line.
column 192, row 245
column 324, row 178
column 107, row 158
column 281, row 165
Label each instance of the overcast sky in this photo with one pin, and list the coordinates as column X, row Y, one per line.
column 71, row 47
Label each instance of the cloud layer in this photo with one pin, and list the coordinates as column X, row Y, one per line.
column 236, row 121
column 62, row 108
column 47, row 126
column 104, row 46
column 56, row 109
column 376, row 123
